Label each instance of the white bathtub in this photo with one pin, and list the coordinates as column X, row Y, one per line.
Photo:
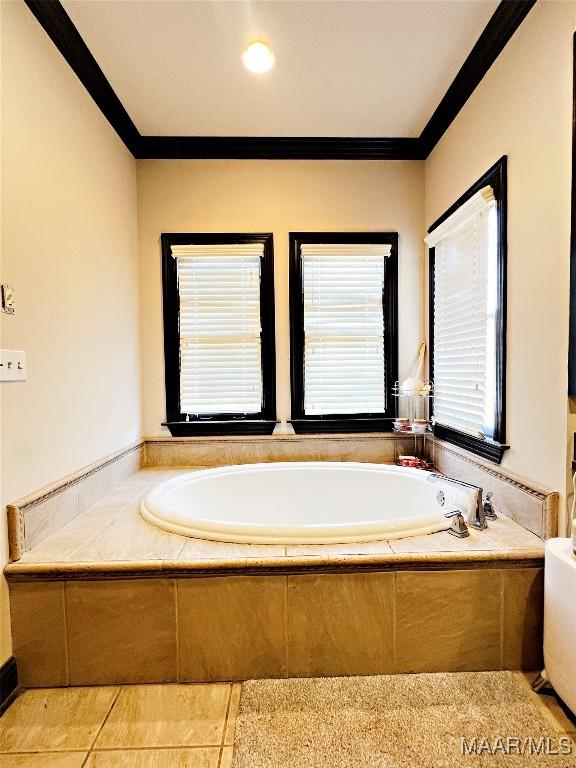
column 302, row 503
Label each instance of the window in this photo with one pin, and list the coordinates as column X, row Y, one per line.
column 343, row 317
column 219, row 333
column 468, row 330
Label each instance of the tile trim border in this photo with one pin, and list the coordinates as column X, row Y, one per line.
column 154, row 569
column 536, row 490
column 274, row 439
column 548, row 522
column 16, row 510
column 76, row 477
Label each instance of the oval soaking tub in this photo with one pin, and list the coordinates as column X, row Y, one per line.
column 301, row 503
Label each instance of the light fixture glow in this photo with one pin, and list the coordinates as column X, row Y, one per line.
column 258, row 57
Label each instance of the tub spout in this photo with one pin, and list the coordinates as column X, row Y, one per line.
column 479, row 517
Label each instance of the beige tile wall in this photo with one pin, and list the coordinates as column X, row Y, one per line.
column 217, row 451
column 32, row 519
column 37, row 516
column 239, row 627
column 531, row 505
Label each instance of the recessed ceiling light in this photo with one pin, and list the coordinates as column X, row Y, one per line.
column 258, row 57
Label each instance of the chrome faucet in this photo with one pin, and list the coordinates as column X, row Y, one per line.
column 489, row 509
column 479, row 518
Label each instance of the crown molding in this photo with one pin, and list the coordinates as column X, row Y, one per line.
column 59, row 27
column 276, row 148
column 504, row 22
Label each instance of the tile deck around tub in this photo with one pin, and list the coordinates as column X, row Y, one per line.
column 111, row 537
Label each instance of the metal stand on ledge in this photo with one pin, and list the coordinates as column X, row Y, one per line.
column 413, row 436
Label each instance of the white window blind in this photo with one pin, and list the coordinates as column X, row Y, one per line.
column 220, row 346
column 344, row 369
column 465, row 304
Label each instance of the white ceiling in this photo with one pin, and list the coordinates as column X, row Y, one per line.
column 344, row 67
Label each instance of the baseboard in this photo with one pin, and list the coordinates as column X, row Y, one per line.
column 8, row 683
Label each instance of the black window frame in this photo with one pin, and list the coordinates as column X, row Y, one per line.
column 259, row 423
column 490, row 449
column 368, row 422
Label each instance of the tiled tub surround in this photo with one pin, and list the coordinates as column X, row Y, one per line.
column 110, row 599
column 34, row 517
column 217, row 451
column 533, row 506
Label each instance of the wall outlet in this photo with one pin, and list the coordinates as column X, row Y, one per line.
column 12, row 365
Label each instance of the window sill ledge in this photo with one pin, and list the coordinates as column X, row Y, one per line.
column 348, row 426
column 486, row 449
column 232, row 427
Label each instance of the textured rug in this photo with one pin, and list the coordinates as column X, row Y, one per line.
column 441, row 720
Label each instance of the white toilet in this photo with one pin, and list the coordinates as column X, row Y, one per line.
column 560, row 619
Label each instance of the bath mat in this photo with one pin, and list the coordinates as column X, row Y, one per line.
column 397, row 721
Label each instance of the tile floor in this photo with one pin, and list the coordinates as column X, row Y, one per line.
column 145, row 726
column 141, row 726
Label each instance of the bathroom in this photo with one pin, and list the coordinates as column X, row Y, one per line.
column 328, row 606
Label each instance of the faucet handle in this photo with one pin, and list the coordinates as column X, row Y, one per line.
column 458, row 527
column 489, row 509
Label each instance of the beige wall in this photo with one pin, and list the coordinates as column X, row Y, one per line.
column 69, row 247
column 522, row 109
column 278, row 197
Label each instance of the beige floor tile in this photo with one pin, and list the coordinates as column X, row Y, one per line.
column 44, row 760
column 55, row 719
column 548, row 704
column 232, row 627
column 155, row 758
column 226, row 761
column 448, row 621
column 167, row 716
column 340, row 624
column 232, row 713
column 121, row 631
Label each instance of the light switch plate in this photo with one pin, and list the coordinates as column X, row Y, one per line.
column 12, row 365
column 7, row 296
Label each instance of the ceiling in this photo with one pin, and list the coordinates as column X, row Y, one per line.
column 348, row 68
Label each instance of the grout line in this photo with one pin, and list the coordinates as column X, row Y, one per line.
column 66, row 642
column 287, row 628
column 502, row 618
column 152, row 748
column 223, row 739
column 177, row 623
column 103, row 723
column 394, row 627
column 64, row 750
